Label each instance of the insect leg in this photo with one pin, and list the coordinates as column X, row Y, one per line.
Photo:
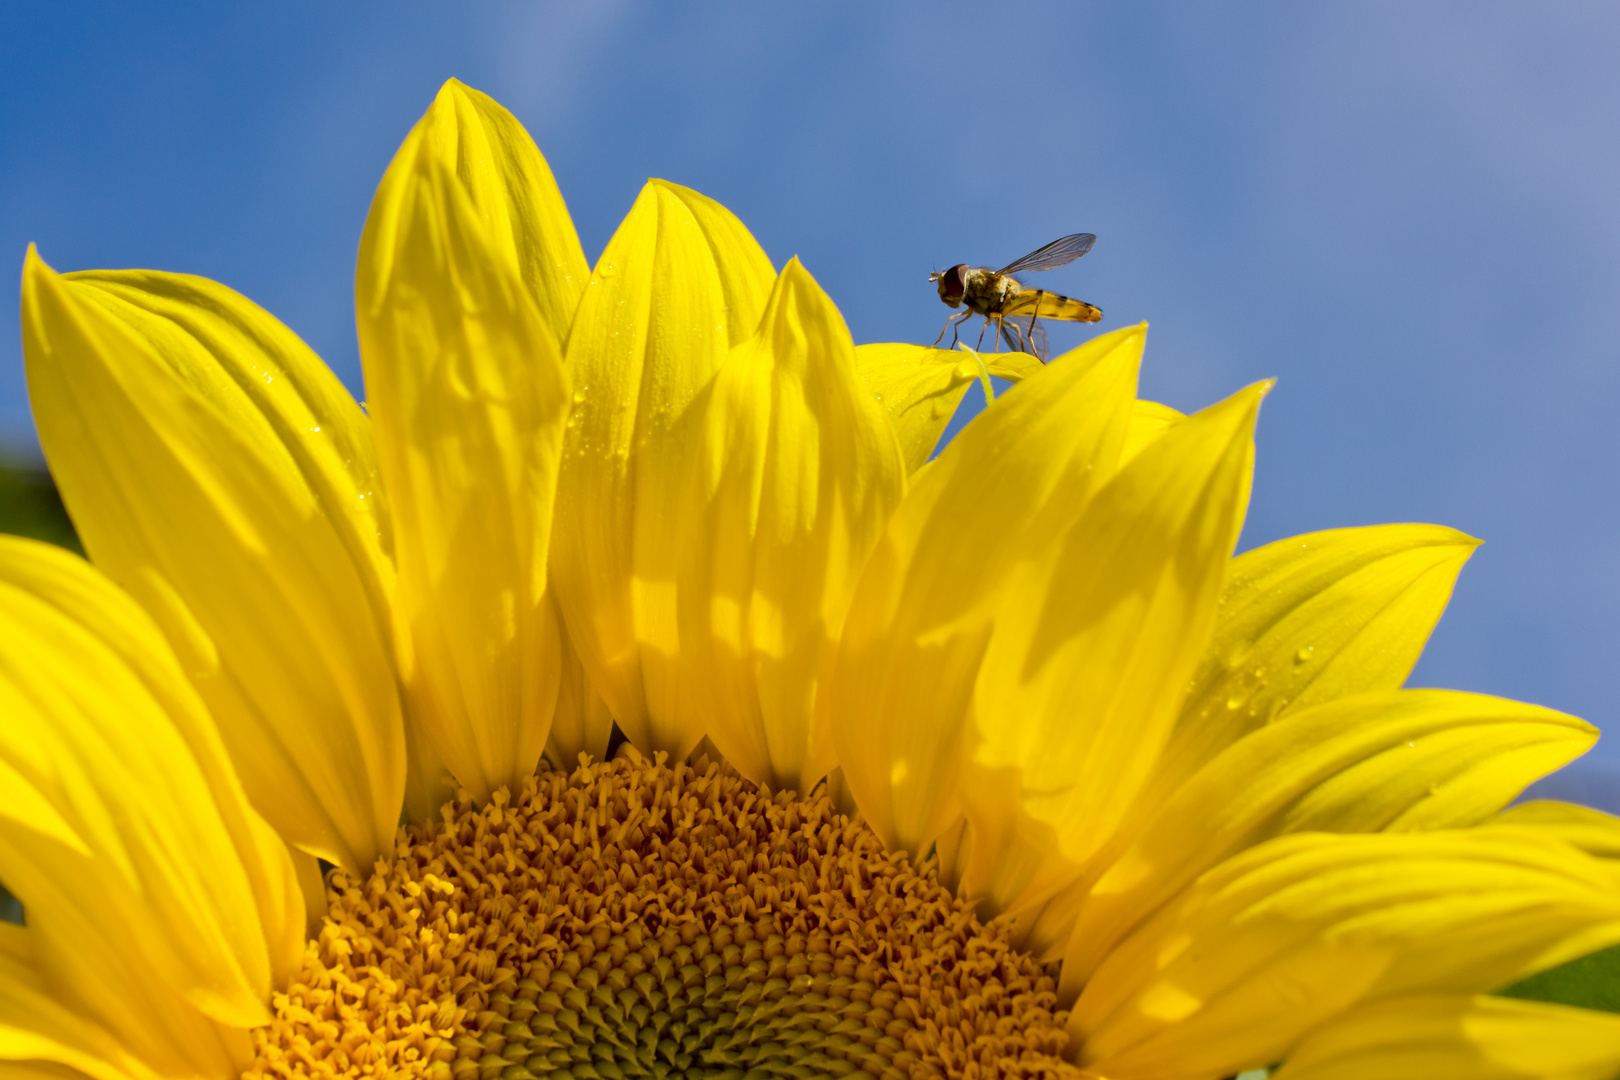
column 1030, row 343
column 1015, row 340
column 982, row 329
column 951, row 320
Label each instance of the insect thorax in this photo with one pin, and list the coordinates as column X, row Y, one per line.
column 988, row 292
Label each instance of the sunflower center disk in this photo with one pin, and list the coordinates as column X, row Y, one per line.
column 637, row 920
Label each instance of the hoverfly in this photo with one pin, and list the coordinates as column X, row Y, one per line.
column 1014, row 309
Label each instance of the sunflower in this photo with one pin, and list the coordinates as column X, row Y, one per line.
column 622, row 691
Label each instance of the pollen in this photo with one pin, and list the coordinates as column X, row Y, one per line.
column 634, row 919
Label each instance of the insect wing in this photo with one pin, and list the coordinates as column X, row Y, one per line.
column 1023, row 334
column 1057, row 253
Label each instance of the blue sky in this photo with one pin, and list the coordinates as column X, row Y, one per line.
column 1408, row 213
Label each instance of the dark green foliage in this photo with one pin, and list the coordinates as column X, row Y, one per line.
column 30, row 506
column 11, row 909
column 1592, row 982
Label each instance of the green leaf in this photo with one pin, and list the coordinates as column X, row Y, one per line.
column 11, row 909
column 29, row 506
column 1592, row 982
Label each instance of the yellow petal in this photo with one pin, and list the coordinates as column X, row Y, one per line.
column 220, row 473
column 1313, row 618
column 507, row 179
column 1301, row 621
column 158, row 902
column 1012, row 366
column 1283, row 937
column 1097, row 636
column 919, row 389
column 798, row 474
column 1017, row 476
column 466, row 268
column 680, row 283
column 1397, row 760
column 428, row 786
column 583, row 724
column 1149, row 420
column 1593, row 831
column 39, row 1034
column 1460, row 1037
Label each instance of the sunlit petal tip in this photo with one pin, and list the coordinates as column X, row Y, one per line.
column 39, row 277
column 745, row 272
column 469, row 275
column 255, row 543
column 1231, row 419
column 1126, row 337
column 798, row 298
column 474, row 145
column 793, row 277
column 680, row 284
column 798, row 473
column 33, row 261
column 1019, row 366
column 1457, row 536
column 452, row 88
column 1311, row 618
column 796, row 269
column 1242, row 410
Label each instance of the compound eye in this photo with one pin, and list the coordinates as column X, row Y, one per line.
column 952, row 284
